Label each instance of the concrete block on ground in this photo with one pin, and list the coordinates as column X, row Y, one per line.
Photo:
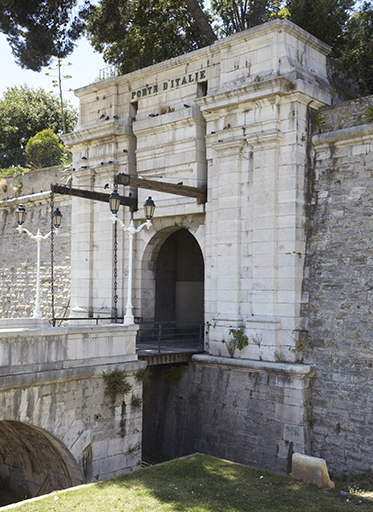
column 312, row 470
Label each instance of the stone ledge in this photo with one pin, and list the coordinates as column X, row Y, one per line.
column 41, row 197
column 68, row 330
column 343, row 136
column 11, row 381
column 300, row 370
column 33, row 368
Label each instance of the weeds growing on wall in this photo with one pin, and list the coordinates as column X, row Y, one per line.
column 136, row 402
column 173, row 374
column 116, row 382
column 238, row 341
column 143, row 375
column 368, row 116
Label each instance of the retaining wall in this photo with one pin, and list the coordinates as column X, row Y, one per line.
column 338, row 288
column 18, row 251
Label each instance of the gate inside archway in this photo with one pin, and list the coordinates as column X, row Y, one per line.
column 179, row 293
column 179, row 278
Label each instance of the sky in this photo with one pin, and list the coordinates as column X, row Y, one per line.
column 84, row 70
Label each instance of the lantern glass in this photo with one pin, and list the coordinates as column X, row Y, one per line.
column 57, row 217
column 114, row 202
column 149, row 208
column 20, row 214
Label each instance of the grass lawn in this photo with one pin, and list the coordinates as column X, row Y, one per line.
column 204, row 484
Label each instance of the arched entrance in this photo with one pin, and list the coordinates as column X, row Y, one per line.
column 179, row 276
column 33, row 462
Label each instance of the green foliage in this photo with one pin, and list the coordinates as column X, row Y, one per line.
column 23, row 113
column 237, row 15
column 44, row 150
column 324, row 19
column 38, row 30
column 356, row 49
column 369, row 114
column 173, row 373
column 238, row 341
column 299, row 347
column 143, row 375
column 116, row 383
column 13, row 171
column 136, row 402
column 132, row 29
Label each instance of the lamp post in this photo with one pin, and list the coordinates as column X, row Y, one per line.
column 20, row 216
column 149, row 207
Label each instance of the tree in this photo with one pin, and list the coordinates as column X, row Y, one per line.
column 325, row 19
column 356, row 49
column 38, row 30
column 44, row 149
column 57, row 82
column 237, row 15
column 129, row 29
column 201, row 19
column 23, row 113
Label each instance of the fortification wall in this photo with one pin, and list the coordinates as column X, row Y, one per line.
column 250, row 412
column 338, row 288
column 18, row 251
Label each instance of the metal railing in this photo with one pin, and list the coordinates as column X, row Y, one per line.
column 170, row 334
column 113, row 319
column 152, row 334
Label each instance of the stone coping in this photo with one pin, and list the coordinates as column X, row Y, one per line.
column 41, row 197
column 343, row 136
column 79, row 372
column 296, row 369
column 277, row 25
column 67, row 330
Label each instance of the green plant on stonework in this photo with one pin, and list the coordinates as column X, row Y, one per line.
column 308, row 417
column 143, row 375
column 173, row 373
column 299, row 347
column 116, row 383
column 136, row 402
column 319, row 121
column 133, row 449
column 368, row 116
column 238, row 341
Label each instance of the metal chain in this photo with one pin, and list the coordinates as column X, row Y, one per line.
column 115, row 273
column 52, row 261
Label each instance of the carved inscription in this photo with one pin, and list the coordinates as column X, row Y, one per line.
column 171, row 83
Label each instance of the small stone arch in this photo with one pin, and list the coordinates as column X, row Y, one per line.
column 34, row 462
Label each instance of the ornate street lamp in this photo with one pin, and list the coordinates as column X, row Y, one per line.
column 149, row 207
column 20, row 216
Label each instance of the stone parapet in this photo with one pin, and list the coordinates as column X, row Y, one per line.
column 39, row 350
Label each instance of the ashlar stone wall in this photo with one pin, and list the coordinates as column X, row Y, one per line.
column 251, row 412
column 338, row 296
column 18, row 252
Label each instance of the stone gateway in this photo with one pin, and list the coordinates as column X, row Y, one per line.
column 273, row 267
